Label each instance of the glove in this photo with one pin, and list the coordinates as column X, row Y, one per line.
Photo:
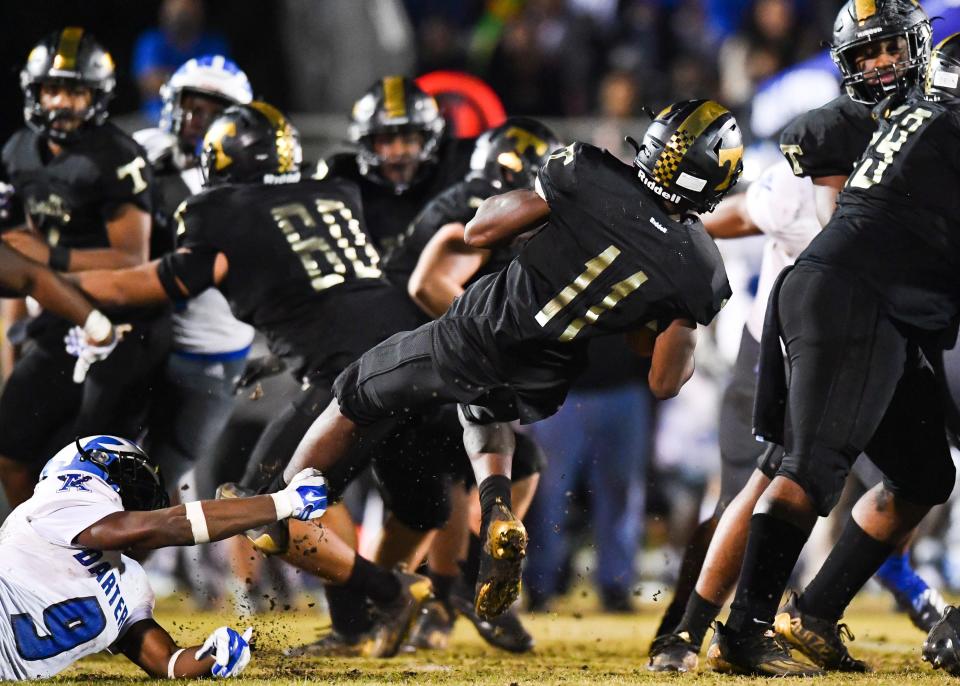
column 78, row 344
column 305, row 497
column 230, row 650
column 260, row 368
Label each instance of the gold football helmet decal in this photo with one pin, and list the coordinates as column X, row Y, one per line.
column 730, row 157
column 214, row 139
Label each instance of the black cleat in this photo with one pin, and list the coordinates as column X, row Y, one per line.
column 942, row 647
column 759, row 653
column 505, row 632
column 335, row 644
column 498, row 584
column 269, row 539
column 673, row 653
column 393, row 622
column 432, row 628
column 820, row 640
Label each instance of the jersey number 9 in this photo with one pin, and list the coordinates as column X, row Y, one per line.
column 68, row 624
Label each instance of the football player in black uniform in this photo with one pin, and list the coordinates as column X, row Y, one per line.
column 435, row 265
column 823, row 144
column 84, row 186
column 403, row 158
column 869, row 294
column 618, row 252
column 294, row 260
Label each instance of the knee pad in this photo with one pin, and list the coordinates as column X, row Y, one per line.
column 490, row 436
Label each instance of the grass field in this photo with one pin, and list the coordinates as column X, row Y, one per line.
column 575, row 646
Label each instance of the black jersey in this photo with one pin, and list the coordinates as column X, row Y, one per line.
column 609, row 260
column 72, row 196
column 457, row 204
column 301, row 269
column 388, row 214
column 828, row 141
column 897, row 223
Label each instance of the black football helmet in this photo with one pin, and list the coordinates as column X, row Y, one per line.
column 72, row 57
column 121, row 463
column 943, row 73
column 395, row 104
column 691, row 154
column 867, row 21
column 251, row 143
column 510, row 155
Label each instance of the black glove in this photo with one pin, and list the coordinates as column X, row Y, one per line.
column 260, row 368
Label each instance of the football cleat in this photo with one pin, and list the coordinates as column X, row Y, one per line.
column 820, row 640
column 335, row 644
column 758, row 653
column 673, row 652
column 925, row 610
column 393, row 622
column 498, row 584
column 432, row 628
column 941, row 647
column 505, row 632
column 269, row 539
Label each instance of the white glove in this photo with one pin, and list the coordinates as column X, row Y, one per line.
column 87, row 352
column 229, row 649
column 305, row 497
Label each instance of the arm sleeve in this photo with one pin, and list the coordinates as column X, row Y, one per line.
column 125, row 177
column 558, row 176
column 192, row 264
column 64, row 511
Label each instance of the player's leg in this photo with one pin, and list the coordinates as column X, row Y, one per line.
column 911, row 450
column 845, row 360
column 38, row 398
column 739, row 452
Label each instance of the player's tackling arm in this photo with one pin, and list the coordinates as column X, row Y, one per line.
column 144, row 285
column 446, row 264
column 730, row 219
column 672, row 362
column 501, row 218
column 27, row 277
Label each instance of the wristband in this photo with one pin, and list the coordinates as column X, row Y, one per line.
column 173, row 663
column 198, row 522
column 97, row 327
column 59, row 259
column 281, row 501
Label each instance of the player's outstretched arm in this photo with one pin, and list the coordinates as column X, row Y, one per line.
column 672, row 363
column 730, row 219
column 446, row 264
column 27, row 277
column 501, row 218
column 148, row 645
column 203, row 521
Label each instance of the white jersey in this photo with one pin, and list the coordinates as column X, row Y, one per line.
column 60, row 602
column 783, row 206
column 203, row 325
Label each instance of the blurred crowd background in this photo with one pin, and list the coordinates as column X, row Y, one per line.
column 614, row 505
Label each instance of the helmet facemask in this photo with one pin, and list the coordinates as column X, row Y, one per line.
column 137, row 479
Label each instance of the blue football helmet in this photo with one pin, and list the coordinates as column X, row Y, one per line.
column 121, row 464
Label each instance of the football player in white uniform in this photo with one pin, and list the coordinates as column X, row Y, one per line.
column 67, row 588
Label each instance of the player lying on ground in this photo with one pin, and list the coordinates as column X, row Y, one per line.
column 68, row 588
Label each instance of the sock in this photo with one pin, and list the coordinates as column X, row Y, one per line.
column 348, row 611
column 897, row 575
column 376, row 583
column 493, row 487
column 697, row 618
column 773, row 547
column 471, row 566
column 693, row 557
column 854, row 558
column 442, row 585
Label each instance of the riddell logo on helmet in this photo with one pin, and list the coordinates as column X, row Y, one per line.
column 869, row 32
column 657, row 188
